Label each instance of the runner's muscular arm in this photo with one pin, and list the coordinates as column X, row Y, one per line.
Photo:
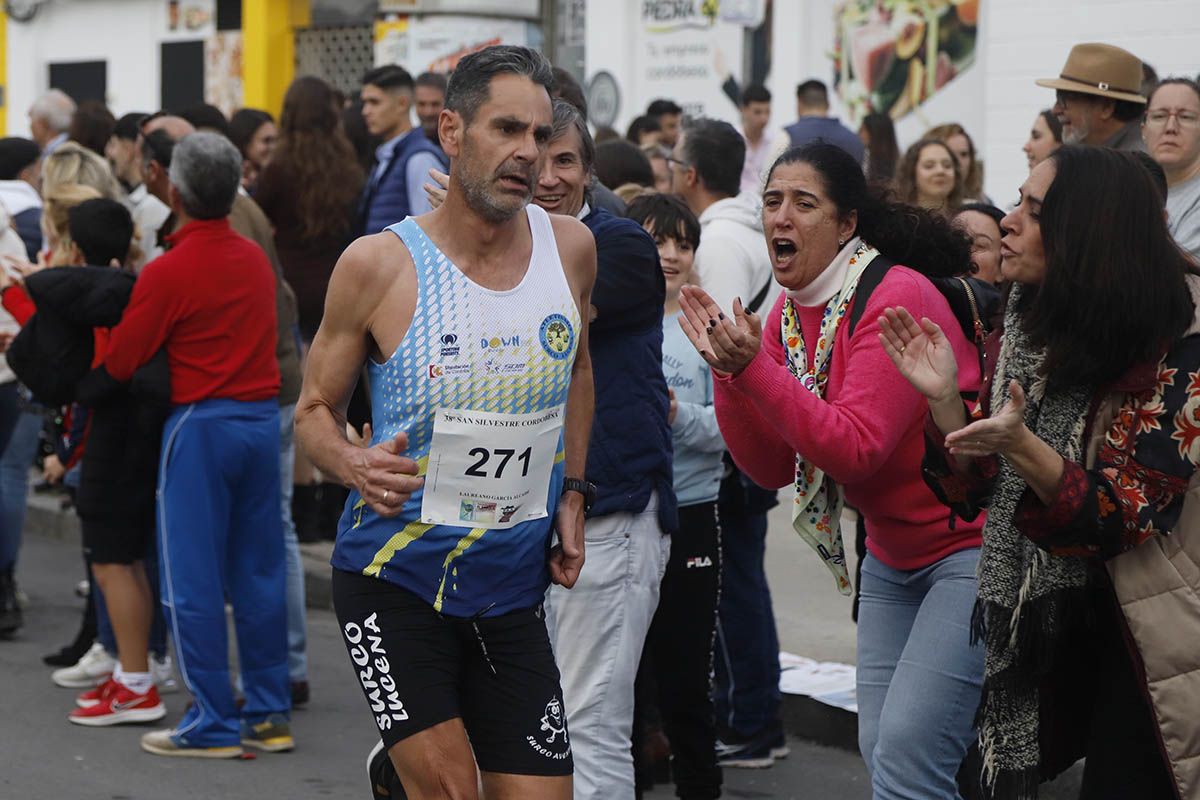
column 357, row 289
column 577, row 251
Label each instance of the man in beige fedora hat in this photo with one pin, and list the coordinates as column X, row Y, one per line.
column 1098, row 97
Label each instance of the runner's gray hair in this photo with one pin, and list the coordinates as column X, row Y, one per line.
column 471, row 81
column 206, row 169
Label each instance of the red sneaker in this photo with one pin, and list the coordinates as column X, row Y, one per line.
column 119, row 706
column 96, row 694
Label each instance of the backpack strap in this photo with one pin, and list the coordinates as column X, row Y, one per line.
column 756, row 303
column 871, row 278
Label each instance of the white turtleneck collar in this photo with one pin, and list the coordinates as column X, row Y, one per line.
column 822, row 288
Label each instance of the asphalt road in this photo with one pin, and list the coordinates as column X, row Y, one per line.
column 47, row 758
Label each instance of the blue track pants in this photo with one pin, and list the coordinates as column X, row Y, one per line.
column 220, row 537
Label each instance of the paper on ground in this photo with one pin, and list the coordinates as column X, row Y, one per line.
column 827, row 682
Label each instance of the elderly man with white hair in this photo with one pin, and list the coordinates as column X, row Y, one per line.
column 50, row 118
column 210, row 301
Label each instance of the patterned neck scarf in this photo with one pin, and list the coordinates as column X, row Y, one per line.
column 817, row 507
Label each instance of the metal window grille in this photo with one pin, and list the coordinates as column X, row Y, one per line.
column 338, row 55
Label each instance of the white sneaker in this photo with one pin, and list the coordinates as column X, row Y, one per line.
column 164, row 677
column 92, row 669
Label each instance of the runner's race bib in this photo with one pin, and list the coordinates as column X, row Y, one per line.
column 488, row 469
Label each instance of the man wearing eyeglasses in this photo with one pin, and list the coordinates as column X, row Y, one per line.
column 1098, row 97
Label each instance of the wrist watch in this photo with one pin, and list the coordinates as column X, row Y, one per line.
column 588, row 490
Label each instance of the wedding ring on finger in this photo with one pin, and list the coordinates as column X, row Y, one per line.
column 386, row 492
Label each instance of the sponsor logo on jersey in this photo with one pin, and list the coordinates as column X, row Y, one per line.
column 448, row 370
column 450, row 347
column 498, row 342
column 557, row 336
column 494, row 367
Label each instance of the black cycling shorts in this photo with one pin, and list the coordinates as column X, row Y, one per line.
column 419, row 668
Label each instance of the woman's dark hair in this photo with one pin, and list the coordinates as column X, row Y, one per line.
column 1053, row 123
column 906, row 175
column 640, row 125
column 244, row 123
column 355, row 128
column 882, row 153
column 1114, row 293
column 986, row 209
column 619, row 162
column 1156, row 172
column 918, row 238
column 92, row 125
column 313, row 170
column 666, row 215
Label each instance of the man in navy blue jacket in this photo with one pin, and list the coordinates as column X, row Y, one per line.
column 812, row 106
column 402, row 163
column 604, row 619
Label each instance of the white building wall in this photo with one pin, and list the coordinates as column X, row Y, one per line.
column 996, row 100
column 125, row 33
column 1030, row 39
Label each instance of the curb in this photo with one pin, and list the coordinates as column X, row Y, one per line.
column 806, row 718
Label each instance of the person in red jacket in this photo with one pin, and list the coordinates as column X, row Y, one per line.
column 210, row 300
column 808, row 402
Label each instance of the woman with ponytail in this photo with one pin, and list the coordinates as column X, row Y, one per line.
column 810, row 399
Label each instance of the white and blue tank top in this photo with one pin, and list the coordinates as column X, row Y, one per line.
column 490, row 371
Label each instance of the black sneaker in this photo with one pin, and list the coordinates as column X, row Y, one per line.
column 755, row 752
column 299, row 693
column 385, row 783
column 10, row 607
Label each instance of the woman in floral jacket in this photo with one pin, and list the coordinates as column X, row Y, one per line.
column 1089, row 598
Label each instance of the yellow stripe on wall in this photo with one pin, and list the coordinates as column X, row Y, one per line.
column 4, row 71
column 269, row 50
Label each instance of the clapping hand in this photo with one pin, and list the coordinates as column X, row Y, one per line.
column 1000, row 433
column 922, row 353
column 728, row 345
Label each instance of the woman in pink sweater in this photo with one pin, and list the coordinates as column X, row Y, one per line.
column 809, row 402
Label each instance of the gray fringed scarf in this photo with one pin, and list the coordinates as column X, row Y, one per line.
column 1025, row 593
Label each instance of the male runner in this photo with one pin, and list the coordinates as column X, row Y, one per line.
column 469, row 319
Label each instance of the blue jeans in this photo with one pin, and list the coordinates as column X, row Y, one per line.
column 14, row 484
column 919, row 677
column 746, row 695
column 296, row 636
